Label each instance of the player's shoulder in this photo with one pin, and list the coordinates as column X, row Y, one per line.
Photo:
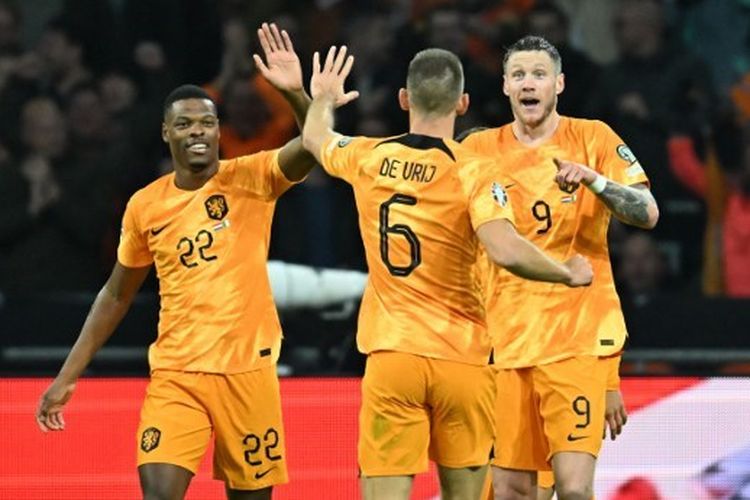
column 585, row 126
column 153, row 191
column 245, row 161
column 463, row 153
column 479, row 132
column 472, row 165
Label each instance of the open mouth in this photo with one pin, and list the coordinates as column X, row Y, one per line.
column 529, row 102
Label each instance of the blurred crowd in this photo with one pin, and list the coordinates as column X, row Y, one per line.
column 82, row 81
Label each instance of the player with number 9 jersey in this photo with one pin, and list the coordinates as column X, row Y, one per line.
column 425, row 203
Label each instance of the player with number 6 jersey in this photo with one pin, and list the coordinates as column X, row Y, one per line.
column 425, row 203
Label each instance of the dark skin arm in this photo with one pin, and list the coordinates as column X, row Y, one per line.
column 108, row 309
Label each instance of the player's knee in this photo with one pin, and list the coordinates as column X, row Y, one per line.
column 574, row 490
column 513, row 490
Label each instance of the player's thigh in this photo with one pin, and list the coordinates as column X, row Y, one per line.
column 572, row 401
column 386, row 487
column 174, row 427
column 262, row 494
column 461, row 398
column 159, row 481
column 520, row 443
column 250, row 451
column 394, row 423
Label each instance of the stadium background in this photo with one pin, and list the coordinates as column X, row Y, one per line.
column 81, row 83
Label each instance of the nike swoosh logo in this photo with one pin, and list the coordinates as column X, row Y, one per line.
column 156, row 231
column 571, row 437
column 259, row 475
column 509, row 185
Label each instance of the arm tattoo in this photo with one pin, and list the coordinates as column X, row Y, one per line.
column 628, row 204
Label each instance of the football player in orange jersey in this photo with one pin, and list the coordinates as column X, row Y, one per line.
column 568, row 177
column 205, row 227
column 425, row 203
column 615, row 418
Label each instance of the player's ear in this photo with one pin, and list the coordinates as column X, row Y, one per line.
column 560, row 83
column 462, row 106
column 164, row 132
column 505, row 86
column 403, row 98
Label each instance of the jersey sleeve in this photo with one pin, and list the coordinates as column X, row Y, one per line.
column 339, row 156
column 617, row 160
column 488, row 199
column 613, row 373
column 260, row 174
column 133, row 249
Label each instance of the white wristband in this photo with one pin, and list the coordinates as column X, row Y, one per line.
column 598, row 185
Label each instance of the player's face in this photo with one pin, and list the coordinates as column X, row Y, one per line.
column 532, row 84
column 191, row 128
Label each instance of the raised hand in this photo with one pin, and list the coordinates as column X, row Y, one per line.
column 282, row 67
column 330, row 79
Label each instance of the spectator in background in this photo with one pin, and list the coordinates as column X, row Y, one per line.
column 642, row 270
column 654, row 86
column 693, row 172
column 254, row 116
column 186, row 33
column 62, row 53
column 96, row 26
column 251, row 122
column 549, row 21
column 10, row 29
column 60, row 216
column 376, row 112
column 449, row 28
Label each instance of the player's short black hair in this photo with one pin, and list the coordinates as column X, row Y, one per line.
column 186, row 91
column 534, row 43
column 435, row 81
column 466, row 133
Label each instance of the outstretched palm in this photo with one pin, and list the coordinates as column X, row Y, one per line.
column 331, row 77
column 282, row 67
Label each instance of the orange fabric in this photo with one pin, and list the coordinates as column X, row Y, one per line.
column 420, row 241
column 428, row 412
column 181, row 410
column 545, row 479
column 274, row 134
column 547, row 409
column 740, row 93
column 210, row 248
column 613, row 372
column 533, row 322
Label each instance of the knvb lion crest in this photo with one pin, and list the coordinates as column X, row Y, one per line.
column 150, row 439
column 216, row 206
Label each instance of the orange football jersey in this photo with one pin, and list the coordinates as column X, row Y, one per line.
column 531, row 322
column 420, row 200
column 210, row 248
